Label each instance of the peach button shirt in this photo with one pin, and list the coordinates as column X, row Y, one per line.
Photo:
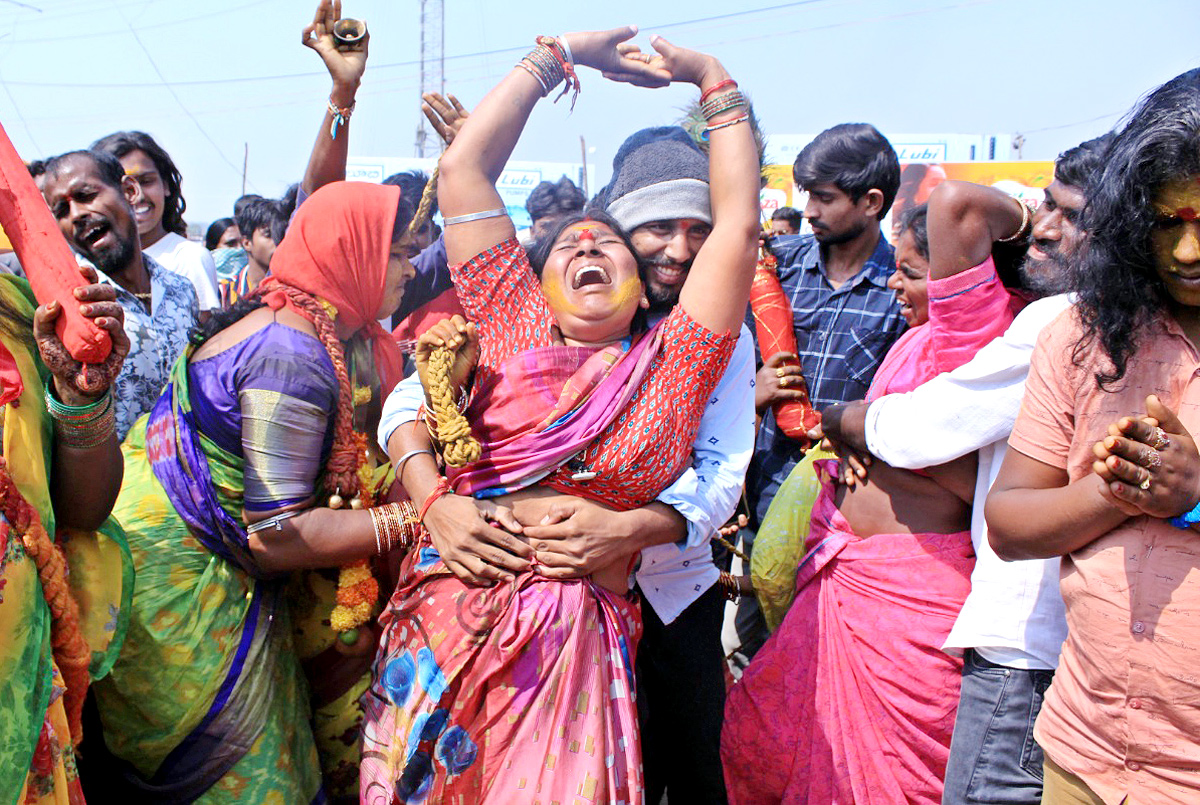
column 1123, row 712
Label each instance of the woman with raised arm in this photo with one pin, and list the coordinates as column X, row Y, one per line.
column 523, row 689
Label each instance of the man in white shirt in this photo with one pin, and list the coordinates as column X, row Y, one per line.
column 659, row 194
column 1012, row 625
column 158, row 210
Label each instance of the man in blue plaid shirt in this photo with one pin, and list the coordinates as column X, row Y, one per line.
column 845, row 316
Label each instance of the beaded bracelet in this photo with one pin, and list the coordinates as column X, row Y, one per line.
column 723, row 103
column 82, row 426
column 341, row 116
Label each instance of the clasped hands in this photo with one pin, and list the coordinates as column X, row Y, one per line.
column 1150, row 465
column 561, row 537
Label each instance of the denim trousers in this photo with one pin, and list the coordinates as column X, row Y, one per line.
column 993, row 756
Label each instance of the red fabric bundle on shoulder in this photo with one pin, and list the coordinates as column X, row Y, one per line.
column 773, row 323
column 45, row 256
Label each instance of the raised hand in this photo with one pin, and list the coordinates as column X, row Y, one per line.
column 1151, row 465
column 678, row 64
column 74, row 383
column 445, row 114
column 345, row 67
column 611, row 54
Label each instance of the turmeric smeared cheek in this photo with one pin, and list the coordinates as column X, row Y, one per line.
column 627, row 294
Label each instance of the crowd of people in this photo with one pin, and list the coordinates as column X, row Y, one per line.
column 372, row 497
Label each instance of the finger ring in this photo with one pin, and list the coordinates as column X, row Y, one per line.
column 1145, row 485
column 783, row 381
column 1154, row 460
column 780, row 372
column 1160, row 439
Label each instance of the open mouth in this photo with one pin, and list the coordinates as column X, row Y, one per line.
column 91, row 233
column 590, row 275
column 144, row 211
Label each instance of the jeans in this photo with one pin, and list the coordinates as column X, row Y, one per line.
column 993, row 757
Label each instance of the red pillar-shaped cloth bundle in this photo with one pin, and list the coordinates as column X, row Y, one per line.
column 45, row 256
column 773, row 323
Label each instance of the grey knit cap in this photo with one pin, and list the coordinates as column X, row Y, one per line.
column 658, row 174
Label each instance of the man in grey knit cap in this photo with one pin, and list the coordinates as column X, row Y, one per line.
column 659, row 194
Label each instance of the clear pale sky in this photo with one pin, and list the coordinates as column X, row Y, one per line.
column 207, row 79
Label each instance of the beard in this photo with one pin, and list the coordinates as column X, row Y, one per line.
column 827, row 237
column 663, row 298
column 1047, row 276
column 113, row 259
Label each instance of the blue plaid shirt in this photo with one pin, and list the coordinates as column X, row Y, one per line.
column 842, row 336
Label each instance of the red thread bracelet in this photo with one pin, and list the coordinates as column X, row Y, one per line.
column 720, row 85
column 439, row 491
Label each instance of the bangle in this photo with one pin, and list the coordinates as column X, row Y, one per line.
column 271, row 522
column 1023, row 229
column 473, row 216
column 392, row 528
column 1188, row 518
column 341, row 116
column 720, row 85
column 729, row 586
column 726, row 124
column 400, row 462
column 565, row 46
column 723, row 103
column 565, row 65
column 82, row 426
column 439, row 491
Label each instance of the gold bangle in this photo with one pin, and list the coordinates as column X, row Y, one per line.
column 1023, row 229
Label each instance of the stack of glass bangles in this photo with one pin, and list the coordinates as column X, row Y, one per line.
column 396, row 526
column 82, row 426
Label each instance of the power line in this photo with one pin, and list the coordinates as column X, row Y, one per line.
column 374, row 67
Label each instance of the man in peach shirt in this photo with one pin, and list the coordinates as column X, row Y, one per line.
column 1104, row 472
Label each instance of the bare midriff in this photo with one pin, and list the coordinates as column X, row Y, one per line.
column 896, row 501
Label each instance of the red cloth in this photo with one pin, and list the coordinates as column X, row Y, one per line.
column 46, row 258
column 337, row 249
column 851, row 700
column 775, row 329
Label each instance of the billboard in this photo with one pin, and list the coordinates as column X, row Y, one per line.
column 1023, row 180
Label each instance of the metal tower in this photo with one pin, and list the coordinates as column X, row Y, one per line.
column 433, row 64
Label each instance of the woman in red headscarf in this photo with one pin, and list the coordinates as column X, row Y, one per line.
column 254, row 463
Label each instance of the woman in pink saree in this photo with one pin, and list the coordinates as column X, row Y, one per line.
column 852, row 700
column 523, row 691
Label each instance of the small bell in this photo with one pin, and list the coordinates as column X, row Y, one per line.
column 356, row 503
column 336, row 502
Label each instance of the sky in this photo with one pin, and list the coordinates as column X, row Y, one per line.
column 218, row 82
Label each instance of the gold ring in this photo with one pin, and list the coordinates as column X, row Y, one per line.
column 780, row 372
column 783, row 381
column 1160, row 439
column 1145, row 485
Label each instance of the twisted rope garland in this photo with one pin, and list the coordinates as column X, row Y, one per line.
column 459, row 447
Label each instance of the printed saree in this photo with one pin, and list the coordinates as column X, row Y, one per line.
column 37, row 749
column 207, row 702
column 523, row 692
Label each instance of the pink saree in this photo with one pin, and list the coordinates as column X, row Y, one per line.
column 852, row 699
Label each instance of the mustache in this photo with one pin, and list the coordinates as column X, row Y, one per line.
column 663, row 261
column 1050, row 248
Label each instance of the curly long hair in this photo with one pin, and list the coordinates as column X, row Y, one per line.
column 123, row 142
column 1120, row 291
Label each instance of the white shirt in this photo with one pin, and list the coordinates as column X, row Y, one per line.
column 671, row 577
column 1014, row 613
column 176, row 253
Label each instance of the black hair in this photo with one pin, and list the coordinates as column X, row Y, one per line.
column 540, row 251
column 916, row 220
column 412, row 184
column 288, row 201
column 855, row 158
column 107, row 166
column 1076, row 166
column 406, row 210
column 790, row 214
column 555, row 198
column 123, row 142
column 243, row 201
column 261, row 213
column 212, row 237
column 36, row 168
column 1116, row 276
